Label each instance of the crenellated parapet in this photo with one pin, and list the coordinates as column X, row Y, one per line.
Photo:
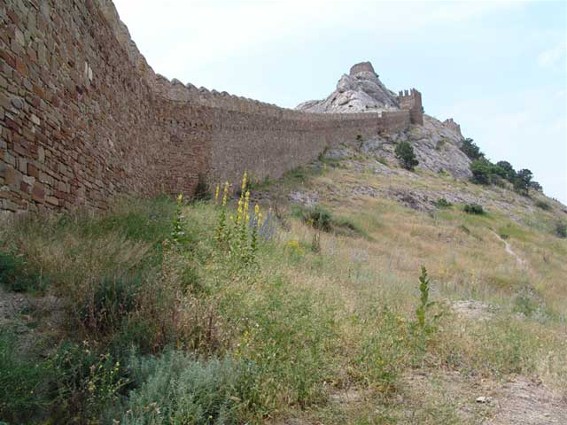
column 83, row 117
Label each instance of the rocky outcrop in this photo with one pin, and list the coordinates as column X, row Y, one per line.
column 359, row 91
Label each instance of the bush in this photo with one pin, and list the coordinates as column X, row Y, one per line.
column 522, row 181
column 543, row 205
column 405, row 154
column 535, row 186
column 202, row 191
column 109, row 302
column 561, row 230
column 484, row 172
column 237, row 235
column 442, row 203
column 474, row 209
column 506, row 170
column 471, row 150
column 86, row 383
column 177, row 388
column 15, row 274
column 23, row 393
column 317, row 217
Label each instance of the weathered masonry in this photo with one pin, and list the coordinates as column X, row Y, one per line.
column 84, row 117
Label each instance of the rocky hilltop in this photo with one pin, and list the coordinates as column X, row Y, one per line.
column 436, row 143
column 359, row 91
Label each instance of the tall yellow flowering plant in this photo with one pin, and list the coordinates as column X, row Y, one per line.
column 238, row 235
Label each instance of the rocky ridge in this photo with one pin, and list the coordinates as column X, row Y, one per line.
column 436, row 144
column 359, row 91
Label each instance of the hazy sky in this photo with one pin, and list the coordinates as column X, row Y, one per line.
column 498, row 68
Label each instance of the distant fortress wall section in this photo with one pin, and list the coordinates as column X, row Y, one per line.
column 83, row 117
column 411, row 101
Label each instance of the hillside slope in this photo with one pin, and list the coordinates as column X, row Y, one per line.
column 312, row 312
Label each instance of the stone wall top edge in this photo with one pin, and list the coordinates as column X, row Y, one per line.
column 175, row 90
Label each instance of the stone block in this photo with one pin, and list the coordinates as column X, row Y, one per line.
column 32, row 170
column 52, row 200
column 38, row 193
column 13, row 178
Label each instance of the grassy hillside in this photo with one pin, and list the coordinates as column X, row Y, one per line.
column 159, row 312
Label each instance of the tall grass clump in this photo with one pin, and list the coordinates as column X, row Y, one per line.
column 23, row 389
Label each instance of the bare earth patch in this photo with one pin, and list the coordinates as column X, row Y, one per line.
column 473, row 310
column 523, row 401
column 516, row 401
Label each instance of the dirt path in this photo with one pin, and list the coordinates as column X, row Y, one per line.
column 519, row 260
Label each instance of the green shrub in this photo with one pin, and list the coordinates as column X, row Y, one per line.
column 317, row 217
column 473, row 209
column 109, row 301
column 484, row 172
column 176, row 388
column 522, row 181
column 405, row 154
column 15, row 274
column 202, row 190
column 440, row 143
column 561, row 229
column 470, row 149
column 535, row 186
column 237, row 235
column 287, row 338
column 543, row 205
column 86, row 383
column 506, row 170
column 23, row 389
column 442, row 203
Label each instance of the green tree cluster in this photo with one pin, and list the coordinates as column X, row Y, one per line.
column 405, row 154
column 486, row 173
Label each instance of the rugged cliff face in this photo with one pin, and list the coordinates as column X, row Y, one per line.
column 436, row 143
column 359, row 91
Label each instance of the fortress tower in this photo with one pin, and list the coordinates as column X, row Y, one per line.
column 411, row 101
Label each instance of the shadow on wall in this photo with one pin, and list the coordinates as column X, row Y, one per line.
column 84, row 117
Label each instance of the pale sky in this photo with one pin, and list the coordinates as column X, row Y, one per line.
column 499, row 68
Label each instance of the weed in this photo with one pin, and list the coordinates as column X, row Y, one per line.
column 318, row 217
column 108, row 302
column 238, row 236
column 543, row 205
column 87, row 383
column 178, row 235
column 16, row 274
column 316, row 243
column 23, row 393
column 442, row 203
column 474, row 209
column 423, row 321
column 561, row 230
column 202, row 191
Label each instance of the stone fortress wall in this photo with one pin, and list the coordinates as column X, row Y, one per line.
column 84, row 117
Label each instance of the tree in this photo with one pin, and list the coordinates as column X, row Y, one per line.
column 483, row 171
column 471, row 150
column 508, row 171
column 522, row 181
column 405, row 154
column 536, row 186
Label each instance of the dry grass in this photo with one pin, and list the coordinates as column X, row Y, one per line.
column 318, row 325
column 467, row 261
